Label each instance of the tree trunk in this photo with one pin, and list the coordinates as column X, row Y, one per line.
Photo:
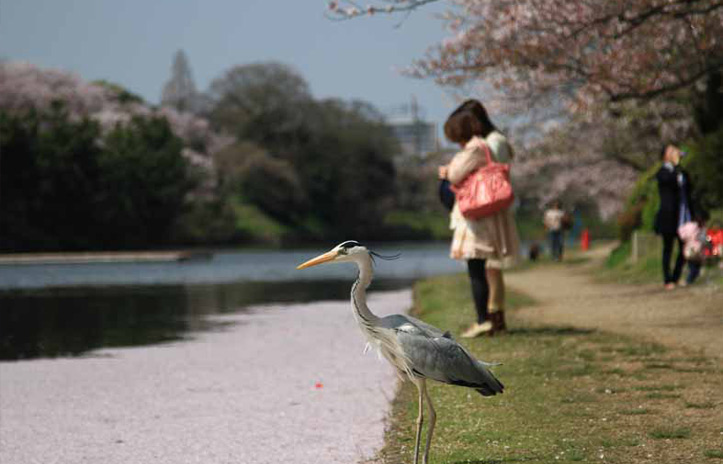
column 708, row 103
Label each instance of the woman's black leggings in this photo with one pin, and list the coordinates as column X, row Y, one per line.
column 480, row 289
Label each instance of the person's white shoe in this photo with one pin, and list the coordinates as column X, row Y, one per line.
column 476, row 329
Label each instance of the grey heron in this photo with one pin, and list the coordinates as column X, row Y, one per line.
column 416, row 349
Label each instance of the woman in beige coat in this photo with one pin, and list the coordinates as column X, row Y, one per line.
column 489, row 244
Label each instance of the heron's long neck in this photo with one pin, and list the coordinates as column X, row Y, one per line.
column 359, row 293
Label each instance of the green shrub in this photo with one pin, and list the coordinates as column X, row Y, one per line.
column 641, row 206
column 252, row 225
column 418, row 225
column 705, row 166
column 630, row 220
column 716, row 218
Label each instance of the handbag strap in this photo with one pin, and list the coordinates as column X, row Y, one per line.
column 486, row 149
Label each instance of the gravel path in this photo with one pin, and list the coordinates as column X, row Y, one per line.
column 569, row 295
column 285, row 384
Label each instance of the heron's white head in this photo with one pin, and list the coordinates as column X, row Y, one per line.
column 342, row 253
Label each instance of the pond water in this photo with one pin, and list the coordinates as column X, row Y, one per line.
column 69, row 310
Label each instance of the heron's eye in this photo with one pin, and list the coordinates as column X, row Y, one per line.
column 346, row 246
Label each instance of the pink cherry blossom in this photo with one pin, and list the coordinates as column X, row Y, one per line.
column 24, row 86
column 580, row 51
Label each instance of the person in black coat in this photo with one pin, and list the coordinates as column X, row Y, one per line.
column 675, row 209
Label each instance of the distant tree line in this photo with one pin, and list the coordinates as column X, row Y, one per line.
column 322, row 168
column 255, row 159
column 67, row 186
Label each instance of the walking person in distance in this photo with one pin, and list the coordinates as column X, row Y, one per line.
column 675, row 210
column 553, row 220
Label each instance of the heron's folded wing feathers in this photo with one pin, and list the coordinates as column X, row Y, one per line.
column 445, row 360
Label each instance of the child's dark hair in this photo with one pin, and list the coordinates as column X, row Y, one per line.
column 468, row 120
column 701, row 216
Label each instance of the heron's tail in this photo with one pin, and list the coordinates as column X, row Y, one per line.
column 489, row 385
column 483, row 381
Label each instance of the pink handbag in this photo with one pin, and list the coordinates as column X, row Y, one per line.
column 485, row 191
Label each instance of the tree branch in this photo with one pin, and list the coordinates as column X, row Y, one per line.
column 681, row 84
column 393, row 6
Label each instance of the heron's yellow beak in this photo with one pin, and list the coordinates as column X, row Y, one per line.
column 328, row 256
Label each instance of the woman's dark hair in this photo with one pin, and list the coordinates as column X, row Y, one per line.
column 468, row 120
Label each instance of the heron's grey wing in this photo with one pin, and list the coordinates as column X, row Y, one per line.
column 445, row 360
column 410, row 324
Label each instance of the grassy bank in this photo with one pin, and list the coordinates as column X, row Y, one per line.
column 621, row 267
column 571, row 396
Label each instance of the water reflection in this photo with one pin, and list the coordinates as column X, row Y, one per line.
column 69, row 310
column 75, row 321
column 418, row 260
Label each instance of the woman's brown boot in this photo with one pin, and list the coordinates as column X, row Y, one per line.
column 498, row 320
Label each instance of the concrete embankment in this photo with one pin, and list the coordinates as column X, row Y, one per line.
column 103, row 257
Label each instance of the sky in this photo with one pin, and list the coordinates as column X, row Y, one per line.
column 132, row 43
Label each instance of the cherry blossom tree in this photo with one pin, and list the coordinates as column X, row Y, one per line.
column 24, row 87
column 574, row 162
column 584, row 50
column 596, row 86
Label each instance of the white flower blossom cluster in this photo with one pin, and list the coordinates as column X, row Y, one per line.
column 24, row 86
column 602, row 182
column 598, row 156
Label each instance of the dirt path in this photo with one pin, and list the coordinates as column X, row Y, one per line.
column 570, row 295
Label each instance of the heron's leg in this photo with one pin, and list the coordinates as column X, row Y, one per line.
column 420, row 417
column 430, row 426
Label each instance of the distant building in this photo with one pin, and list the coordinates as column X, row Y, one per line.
column 416, row 136
column 179, row 92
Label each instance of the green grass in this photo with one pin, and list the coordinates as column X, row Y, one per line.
column 619, row 267
column 669, row 433
column 571, row 395
column 619, row 256
column 713, row 453
column 657, row 387
column 625, row 441
column 641, row 349
column 635, row 411
column 257, row 226
column 662, row 396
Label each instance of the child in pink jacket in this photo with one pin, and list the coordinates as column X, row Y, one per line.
column 693, row 236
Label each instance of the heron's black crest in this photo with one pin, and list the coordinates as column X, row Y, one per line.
column 384, row 257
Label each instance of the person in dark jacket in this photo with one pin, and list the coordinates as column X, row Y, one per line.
column 675, row 209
